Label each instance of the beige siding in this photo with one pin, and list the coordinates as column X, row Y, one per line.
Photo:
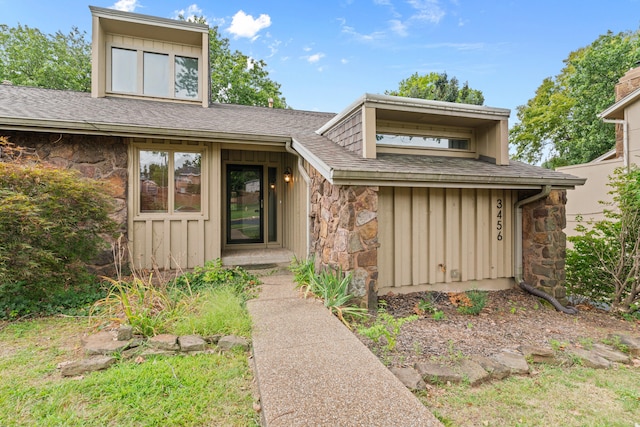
column 176, row 241
column 444, row 238
column 295, row 210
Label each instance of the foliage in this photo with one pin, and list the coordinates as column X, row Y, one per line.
column 561, row 119
column 303, row 272
column 209, row 300
column 604, row 264
column 56, row 61
column 437, row 86
column 213, row 389
column 476, row 300
column 386, row 326
column 52, row 221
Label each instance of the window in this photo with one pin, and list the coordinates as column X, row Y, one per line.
column 418, row 141
column 170, row 181
column 154, row 74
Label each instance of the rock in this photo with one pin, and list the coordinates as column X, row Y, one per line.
column 213, row 339
column 164, row 342
column 472, row 372
column 436, row 373
column 158, row 352
column 496, row 371
column 633, row 344
column 516, row 362
column 125, row 333
column 589, row 358
column 90, row 364
column 231, row 341
column 409, row 377
column 539, row 354
column 103, row 343
column 611, row 354
column 191, row 343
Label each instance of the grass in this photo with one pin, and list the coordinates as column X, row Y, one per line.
column 575, row 396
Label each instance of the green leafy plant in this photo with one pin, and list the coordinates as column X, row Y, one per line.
column 387, row 326
column 303, row 273
column 476, row 302
column 438, row 315
column 332, row 286
column 427, row 305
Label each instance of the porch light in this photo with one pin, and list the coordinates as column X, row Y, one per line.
column 287, row 174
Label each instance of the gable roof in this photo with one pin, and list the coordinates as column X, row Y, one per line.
column 616, row 111
column 47, row 110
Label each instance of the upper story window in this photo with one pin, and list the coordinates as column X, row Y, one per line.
column 418, row 141
column 164, row 75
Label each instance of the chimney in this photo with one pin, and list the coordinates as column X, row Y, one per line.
column 627, row 84
column 270, row 102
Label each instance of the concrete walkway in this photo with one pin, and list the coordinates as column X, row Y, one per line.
column 312, row 371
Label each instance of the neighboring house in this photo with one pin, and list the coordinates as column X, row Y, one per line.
column 406, row 194
column 583, row 203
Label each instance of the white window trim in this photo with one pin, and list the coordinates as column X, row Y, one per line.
column 140, row 72
column 171, row 214
column 413, row 129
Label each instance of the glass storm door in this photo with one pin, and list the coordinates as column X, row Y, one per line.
column 245, row 204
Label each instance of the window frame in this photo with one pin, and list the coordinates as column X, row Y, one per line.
column 421, row 130
column 140, row 51
column 201, row 149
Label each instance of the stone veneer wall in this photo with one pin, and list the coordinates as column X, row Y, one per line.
column 97, row 157
column 544, row 244
column 344, row 230
column 348, row 133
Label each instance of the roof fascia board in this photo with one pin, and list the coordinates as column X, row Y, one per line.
column 313, row 160
column 101, row 12
column 610, row 113
column 347, row 112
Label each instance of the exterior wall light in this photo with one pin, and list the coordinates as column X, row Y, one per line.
column 287, row 174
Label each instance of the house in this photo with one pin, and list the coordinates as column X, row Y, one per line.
column 406, row 194
column 584, row 202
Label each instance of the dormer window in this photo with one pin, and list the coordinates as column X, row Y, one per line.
column 156, row 74
column 417, row 141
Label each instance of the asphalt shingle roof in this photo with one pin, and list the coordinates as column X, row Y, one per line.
column 46, row 108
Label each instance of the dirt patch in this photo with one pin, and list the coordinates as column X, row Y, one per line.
column 510, row 319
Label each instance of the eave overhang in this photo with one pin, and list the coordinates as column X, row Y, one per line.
column 616, row 111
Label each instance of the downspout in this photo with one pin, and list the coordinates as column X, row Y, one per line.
column 546, row 190
column 307, row 179
column 625, row 139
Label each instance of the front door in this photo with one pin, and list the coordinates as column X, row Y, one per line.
column 245, row 204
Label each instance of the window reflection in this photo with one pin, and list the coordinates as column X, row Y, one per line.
column 154, row 180
column 186, row 78
column 123, row 70
column 156, row 74
column 187, row 182
column 422, row 141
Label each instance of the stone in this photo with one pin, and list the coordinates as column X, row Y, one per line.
column 213, row 339
column 191, row 343
column 164, row 342
column 346, row 217
column 364, row 217
column 410, row 378
column 611, row 354
column 436, row 373
column 369, row 230
column 90, row 364
column 230, row 342
column 539, row 354
column 368, row 258
column 589, row 358
column 473, row 372
column 103, row 343
column 633, row 344
column 358, row 286
column 496, row 371
column 158, row 352
column 354, row 244
column 515, row 362
column 125, row 333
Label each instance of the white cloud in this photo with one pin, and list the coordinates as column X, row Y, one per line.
column 398, row 27
column 126, row 5
column 243, row 25
column 427, row 10
column 344, row 61
column 346, row 29
column 191, row 12
column 312, row 59
column 250, row 63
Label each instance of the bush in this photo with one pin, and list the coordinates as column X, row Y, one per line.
column 604, row 264
column 51, row 222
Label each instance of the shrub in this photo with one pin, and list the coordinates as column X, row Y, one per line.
column 604, row 264
column 52, row 221
column 386, row 326
column 476, row 300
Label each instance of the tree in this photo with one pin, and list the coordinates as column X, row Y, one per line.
column 560, row 124
column 437, row 86
column 59, row 61
column 604, row 264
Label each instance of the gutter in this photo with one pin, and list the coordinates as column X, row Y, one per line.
column 625, row 139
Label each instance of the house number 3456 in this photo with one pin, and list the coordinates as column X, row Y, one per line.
column 499, row 218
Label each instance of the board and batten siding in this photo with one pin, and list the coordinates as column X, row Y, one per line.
column 183, row 240
column 444, row 239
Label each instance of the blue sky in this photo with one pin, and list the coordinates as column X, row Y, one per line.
column 325, row 54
